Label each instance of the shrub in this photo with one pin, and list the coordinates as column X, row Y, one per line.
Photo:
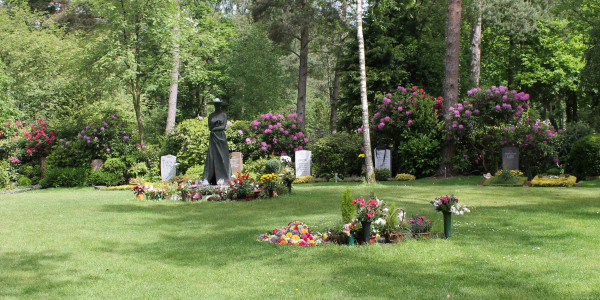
column 553, row 171
column 554, row 181
column 275, row 134
column 138, row 169
column 115, row 165
column 272, row 166
column 382, row 174
column 567, row 139
column 195, row 172
column 24, row 181
column 65, row 177
column 408, row 122
column 585, row 156
column 101, row 177
column 304, row 179
column 348, row 209
column 405, row 177
column 8, row 173
column 507, row 178
column 337, row 153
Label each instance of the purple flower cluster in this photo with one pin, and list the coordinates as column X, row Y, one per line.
column 277, row 134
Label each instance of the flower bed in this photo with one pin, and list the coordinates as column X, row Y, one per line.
column 495, row 182
column 556, row 181
column 294, row 234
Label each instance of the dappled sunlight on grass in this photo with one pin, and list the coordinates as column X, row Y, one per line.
column 516, row 243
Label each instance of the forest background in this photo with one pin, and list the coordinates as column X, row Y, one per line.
column 70, row 63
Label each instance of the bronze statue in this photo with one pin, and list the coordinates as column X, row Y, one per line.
column 217, row 164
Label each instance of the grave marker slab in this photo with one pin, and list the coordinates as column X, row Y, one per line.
column 97, row 164
column 510, row 158
column 168, row 167
column 303, row 162
column 383, row 159
column 236, row 162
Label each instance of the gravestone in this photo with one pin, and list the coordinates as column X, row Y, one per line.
column 97, row 164
column 168, row 167
column 303, row 162
column 236, row 162
column 510, row 158
column 383, row 159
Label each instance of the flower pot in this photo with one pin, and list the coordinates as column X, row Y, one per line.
column 447, row 223
column 421, row 235
column 372, row 239
column 289, row 186
column 366, row 227
column 270, row 193
column 351, row 240
column 140, row 196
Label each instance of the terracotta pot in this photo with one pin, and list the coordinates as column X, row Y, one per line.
column 394, row 237
column 140, row 196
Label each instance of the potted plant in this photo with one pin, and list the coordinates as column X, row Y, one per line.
column 288, row 176
column 241, row 186
column 420, row 226
column 448, row 206
column 269, row 182
column 185, row 191
column 395, row 226
column 139, row 190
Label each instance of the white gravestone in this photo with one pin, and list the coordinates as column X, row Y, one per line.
column 303, row 162
column 383, row 159
column 168, row 167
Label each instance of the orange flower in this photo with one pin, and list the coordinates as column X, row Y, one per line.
column 283, row 242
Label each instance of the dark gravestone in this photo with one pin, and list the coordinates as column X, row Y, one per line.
column 510, row 158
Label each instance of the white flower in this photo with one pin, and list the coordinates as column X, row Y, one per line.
column 380, row 221
column 401, row 216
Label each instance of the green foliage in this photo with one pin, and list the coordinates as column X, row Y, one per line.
column 195, row 172
column 348, row 209
column 553, row 171
column 574, row 132
column 65, row 177
column 24, row 181
column 272, row 166
column 585, row 156
column 419, row 154
column 102, row 177
column 337, row 153
column 256, row 76
column 382, row 174
column 8, row 173
column 115, row 165
column 189, row 142
column 138, row 169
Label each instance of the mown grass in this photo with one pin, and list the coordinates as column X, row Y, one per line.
column 83, row 243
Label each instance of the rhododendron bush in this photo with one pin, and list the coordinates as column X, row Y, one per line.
column 408, row 122
column 491, row 119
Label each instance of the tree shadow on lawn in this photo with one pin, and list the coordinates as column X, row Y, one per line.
column 360, row 273
column 35, row 274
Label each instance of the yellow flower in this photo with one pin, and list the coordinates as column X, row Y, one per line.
column 362, row 155
column 289, row 234
column 295, row 237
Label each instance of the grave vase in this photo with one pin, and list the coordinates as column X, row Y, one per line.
column 366, row 227
column 447, row 223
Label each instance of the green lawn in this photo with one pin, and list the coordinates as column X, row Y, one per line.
column 83, row 243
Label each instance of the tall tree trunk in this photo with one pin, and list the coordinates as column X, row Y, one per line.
column 363, row 95
column 336, row 77
column 136, row 93
column 172, row 108
column 302, row 75
column 476, row 48
column 451, row 79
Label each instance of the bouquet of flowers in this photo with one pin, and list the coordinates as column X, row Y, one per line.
column 295, row 233
column 242, row 185
column 449, row 204
column 269, row 181
column 419, row 224
column 139, row 189
column 368, row 211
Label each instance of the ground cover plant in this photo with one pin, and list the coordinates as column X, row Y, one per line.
column 515, row 243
